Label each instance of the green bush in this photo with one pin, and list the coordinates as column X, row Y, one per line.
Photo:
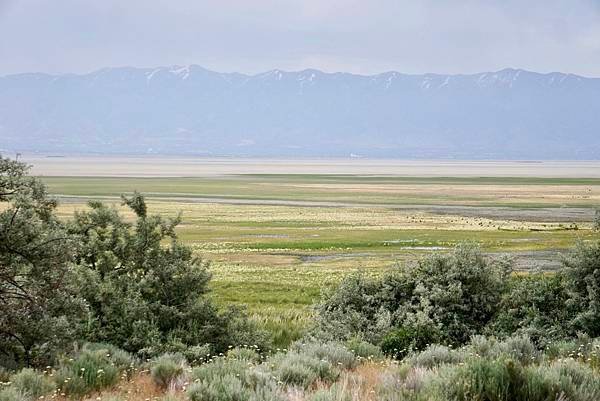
column 146, row 290
column 510, row 370
column 31, row 383
column 519, row 348
column 197, row 354
column 436, row 355
column 401, row 342
column 576, row 380
column 582, row 278
column 332, row 352
column 583, row 349
column 121, row 359
column 506, row 380
column 444, row 298
column 90, row 370
column 298, row 369
column 493, row 380
column 533, row 305
column 244, row 354
column 220, row 367
column 227, row 388
column 363, row 349
column 166, row 369
column 229, row 378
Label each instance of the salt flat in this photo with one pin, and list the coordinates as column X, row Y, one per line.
column 162, row 166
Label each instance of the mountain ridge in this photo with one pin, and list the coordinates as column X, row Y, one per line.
column 174, row 68
column 510, row 113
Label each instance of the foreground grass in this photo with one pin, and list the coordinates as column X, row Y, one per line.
column 512, row 369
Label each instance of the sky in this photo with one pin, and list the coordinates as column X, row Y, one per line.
column 251, row 36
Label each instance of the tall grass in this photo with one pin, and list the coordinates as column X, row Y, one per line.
column 32, row 384
column 167, row 369
column 492, row 370
column 94, row 368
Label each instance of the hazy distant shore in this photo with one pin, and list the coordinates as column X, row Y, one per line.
column 170, row 166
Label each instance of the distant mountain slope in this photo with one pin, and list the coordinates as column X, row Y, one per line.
column 191, row 110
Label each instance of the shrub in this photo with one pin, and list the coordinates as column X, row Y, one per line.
column 534, row 305
column 166, row 369
column 575, row 380
column 364, row 349
column 220, row 367
column 333, row 393
column 519, row 348
column 492, row 380
column 436, row 355
column 583, row 349
column 232, row 378
column 227, row 388
column 31, row 383
column 402, row 341
column 408, row 383
column 147, row 290
column 298, row 369
column 354, row 308
column 197, row 354
column 90, row 371
column 334, row 353
column 445, row 297
column 244, row 354
column 582, row 278
column 492, row 370
column 121, row 359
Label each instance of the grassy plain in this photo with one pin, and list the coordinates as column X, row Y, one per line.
column 276, row 241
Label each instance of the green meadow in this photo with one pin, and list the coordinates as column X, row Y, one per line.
column 275, row 242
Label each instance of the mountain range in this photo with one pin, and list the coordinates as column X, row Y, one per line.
column 507, row 114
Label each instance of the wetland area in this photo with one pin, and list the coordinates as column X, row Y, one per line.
column 278, row 232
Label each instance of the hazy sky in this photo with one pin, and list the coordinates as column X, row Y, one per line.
column 369, row 36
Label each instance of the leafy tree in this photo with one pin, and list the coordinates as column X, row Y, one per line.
column 582, row 275
column 146, row 290
column 597, row 220
column 37, row 299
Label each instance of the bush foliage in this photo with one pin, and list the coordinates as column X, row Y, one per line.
column 448, row 299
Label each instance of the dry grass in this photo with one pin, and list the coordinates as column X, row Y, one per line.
column 139, row 388
column 361, row 383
